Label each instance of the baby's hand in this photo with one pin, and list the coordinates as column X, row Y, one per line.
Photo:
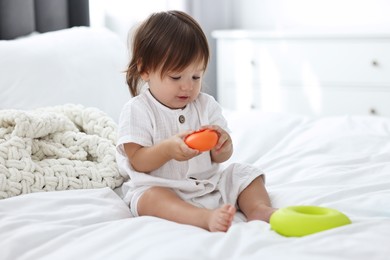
column 179, row 150
column 224, row 140
column 224, row 147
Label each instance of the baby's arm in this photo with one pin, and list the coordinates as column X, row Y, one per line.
column 147, row 159
column 223, row 150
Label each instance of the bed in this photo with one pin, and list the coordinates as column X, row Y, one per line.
column 61, row 93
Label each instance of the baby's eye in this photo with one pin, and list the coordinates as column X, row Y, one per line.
column 175, row 78
column 195, row 77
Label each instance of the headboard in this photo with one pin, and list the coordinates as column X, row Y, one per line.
column 22, row 17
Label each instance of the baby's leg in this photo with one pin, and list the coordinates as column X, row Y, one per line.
column 254, row 201
column 164, row 203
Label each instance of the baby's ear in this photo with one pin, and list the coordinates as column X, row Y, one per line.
column 143, row 73
column 145, row 76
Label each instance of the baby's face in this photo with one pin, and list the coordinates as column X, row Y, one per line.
column 177, row 89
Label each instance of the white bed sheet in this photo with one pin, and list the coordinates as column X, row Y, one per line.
column 339, row 162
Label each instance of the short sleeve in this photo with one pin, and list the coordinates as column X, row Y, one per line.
column 133, row 126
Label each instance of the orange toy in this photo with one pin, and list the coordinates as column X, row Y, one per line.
column 203, row 140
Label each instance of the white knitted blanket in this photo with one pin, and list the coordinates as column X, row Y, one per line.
column 56, row 148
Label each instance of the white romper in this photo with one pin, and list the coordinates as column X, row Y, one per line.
column 145, row 121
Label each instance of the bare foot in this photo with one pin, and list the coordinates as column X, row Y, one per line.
column 261, row 212
column 221, row 219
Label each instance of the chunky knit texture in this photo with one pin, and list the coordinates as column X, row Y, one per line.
column 56, row 148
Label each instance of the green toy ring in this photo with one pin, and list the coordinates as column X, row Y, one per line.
column 297, row 221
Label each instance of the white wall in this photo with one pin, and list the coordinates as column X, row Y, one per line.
column 122, row 15
column 328, row 15
column 284, row 15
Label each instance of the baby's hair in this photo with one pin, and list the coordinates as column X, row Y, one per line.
column 166, row 41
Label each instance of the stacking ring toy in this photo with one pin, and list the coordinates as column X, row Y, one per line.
column 297, row 221
column 203, row 140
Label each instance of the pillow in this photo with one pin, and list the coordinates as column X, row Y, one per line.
column 80, row 65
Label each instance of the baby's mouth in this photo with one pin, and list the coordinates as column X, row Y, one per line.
column 183, row 97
